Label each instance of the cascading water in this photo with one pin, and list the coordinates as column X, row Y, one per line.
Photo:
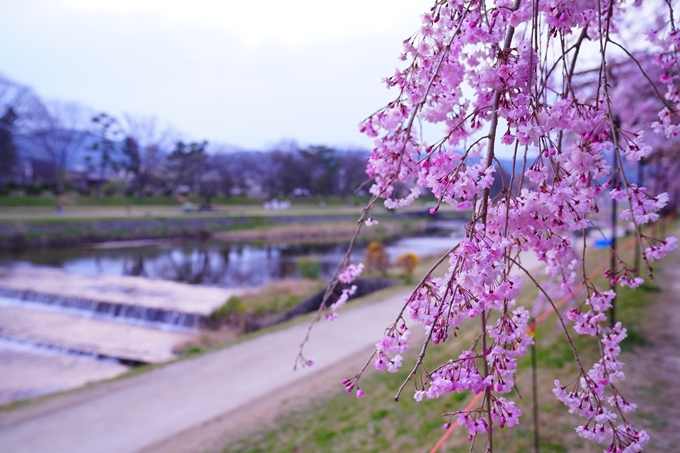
column 156, row 317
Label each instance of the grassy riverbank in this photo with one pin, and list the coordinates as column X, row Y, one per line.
column 122, row 201
column 338, row 422
column 230, row 228
column 35, row 222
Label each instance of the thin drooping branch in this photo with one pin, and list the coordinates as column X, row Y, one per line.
column 475, row 67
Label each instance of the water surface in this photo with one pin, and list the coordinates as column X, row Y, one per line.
column 212, row 263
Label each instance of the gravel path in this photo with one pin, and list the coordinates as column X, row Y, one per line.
column 652, row 369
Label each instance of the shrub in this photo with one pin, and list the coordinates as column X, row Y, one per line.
column 234, row 306
column 408, row 262
column 376, row 257
column 309, row 268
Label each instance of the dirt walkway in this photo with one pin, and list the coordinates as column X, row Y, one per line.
column 652, row 369
column 143, row 411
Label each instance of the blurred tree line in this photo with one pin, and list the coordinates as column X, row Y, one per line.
column 59, row 146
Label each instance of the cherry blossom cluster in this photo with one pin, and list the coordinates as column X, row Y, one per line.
column 476, row 282
column 503, row 412
column 624, row 275
column 347, row 276
column 593, row 395
column 633, row 146
column 510, row 75
column 452, row 182
column 666, row 59
column 342, row 300
column 644, row 207
column 480, row 285
column 510, row 340
column 456, row 375
column 394, row 341
column 351, row 384
column 351, row 272
column 661, row 248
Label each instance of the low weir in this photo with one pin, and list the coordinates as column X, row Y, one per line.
column 110, row 309
column 118, row 296
column 70, row 351
column 79, row 328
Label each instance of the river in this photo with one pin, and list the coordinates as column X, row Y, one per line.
column 220, row 264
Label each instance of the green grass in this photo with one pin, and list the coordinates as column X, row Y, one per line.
column 117, row 200
column 276, row 297
column 78, row 230
column 37, row 201
column 341, row 423
column 74, row 230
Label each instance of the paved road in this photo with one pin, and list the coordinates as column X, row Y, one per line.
column 134, row 413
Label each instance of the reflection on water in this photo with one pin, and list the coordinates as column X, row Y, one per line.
column 210, row 263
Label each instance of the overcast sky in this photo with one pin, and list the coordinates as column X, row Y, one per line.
column 244, row 73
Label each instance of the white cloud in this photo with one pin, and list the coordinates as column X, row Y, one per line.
column 291, row 22
column 239, row 72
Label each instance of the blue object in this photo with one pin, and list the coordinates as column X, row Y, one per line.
column 604, row 242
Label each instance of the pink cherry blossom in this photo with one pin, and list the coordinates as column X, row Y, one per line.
column 351, row 272
column 497, row 77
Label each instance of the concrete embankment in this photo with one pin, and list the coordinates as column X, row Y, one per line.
column 90, row 336
column 111, row 289
column 29, row 371
column 132, row 319
column 59, row 331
